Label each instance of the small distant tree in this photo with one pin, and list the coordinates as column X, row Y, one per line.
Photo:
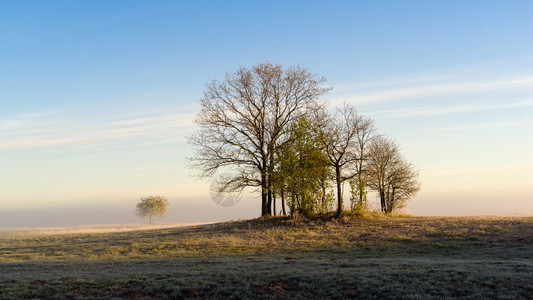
column 152, row 206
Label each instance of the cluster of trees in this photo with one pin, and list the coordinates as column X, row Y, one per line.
column 269, row 127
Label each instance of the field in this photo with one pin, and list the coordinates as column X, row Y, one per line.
column 373, row 257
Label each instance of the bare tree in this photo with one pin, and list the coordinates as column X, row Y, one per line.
column 389, row 174
column 403, row 185
column 365, row 134
column 384, row 155
column 341, row 145
column 243, row 119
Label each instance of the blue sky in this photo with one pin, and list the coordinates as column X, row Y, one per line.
column 96, row 97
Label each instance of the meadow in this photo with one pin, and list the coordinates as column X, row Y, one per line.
column 374, row 257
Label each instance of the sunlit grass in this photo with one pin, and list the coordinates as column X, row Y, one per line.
column 268, row 235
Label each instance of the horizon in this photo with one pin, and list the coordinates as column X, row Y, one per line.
column 126, row 227
column 97, row 98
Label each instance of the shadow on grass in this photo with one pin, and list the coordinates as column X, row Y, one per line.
column 408, row 257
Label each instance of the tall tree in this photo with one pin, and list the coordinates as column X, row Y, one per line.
column 390, row 175
column 243, row 119
column 384, row 155
column 365, row 133
column 339, row 136
column 403, row 184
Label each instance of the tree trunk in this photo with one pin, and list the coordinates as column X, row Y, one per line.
column 269, row 198
column 383, row 203
column 323, row 196
column 359, row 185
column 270, row 171
column 339, row 191
column 264, row 192
column 274, row 203
column 150, row 219
column 283, row 201
column 390, row 207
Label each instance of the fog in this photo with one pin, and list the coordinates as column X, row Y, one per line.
column 180, row 211
column 186, row 210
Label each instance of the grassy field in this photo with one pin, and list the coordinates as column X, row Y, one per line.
column 374, row 257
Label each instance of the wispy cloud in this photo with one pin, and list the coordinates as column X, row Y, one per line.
column 389, row 83
column 450, row 109
column 8, row 124
column 481, row 170
column 480, row 126
column 385, row 94
column 38, row 131
column 151, row 168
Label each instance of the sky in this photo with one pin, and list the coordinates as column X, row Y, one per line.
column 97, row 98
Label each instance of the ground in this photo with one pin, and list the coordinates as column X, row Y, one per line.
column 370, row 257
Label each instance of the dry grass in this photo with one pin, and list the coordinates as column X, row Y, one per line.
column 91, row 229
column 371, row 257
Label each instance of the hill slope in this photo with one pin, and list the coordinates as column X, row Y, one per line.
column 409, row 257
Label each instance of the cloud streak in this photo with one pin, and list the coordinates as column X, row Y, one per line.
column 450, row 109
column 480, row 126
column 524, row 83
column 151, row 168
column 38, row 132
column 481, row 170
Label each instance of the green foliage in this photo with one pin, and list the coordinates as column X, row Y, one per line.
column 303, row 175
column 152, row 206
column 359, row 192
column 327, row 198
